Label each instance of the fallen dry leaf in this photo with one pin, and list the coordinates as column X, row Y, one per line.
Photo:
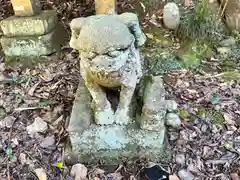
column 39, row 125
column 188, row 3
column 173, row 177
column 115, row 176
column 234, row 176
column 79, row 172
column 229, row 119
column 41, row 174
column 22, row 158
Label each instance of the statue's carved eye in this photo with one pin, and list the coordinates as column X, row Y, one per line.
column 114, row 53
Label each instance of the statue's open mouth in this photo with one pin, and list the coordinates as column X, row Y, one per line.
column 107, row 64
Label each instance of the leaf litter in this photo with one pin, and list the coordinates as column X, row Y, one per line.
column 207, row 145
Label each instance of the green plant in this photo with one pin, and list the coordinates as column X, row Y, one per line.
column 200, row 23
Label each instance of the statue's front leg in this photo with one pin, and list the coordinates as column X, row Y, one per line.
column 103, row 112
column 122, row 115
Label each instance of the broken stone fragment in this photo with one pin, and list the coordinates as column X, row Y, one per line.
column 40, row 24
column 26, row 7
column 30, row 45
column 154, row 108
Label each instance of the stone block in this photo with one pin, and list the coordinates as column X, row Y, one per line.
column 154, row 108
column 26, row 7
column 39, row 24
column 114, row 143
column 30, row 45
column 91, row 143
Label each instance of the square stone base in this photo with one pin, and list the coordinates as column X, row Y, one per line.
column 114, row 143
column 30, row 45
column 39, row 24
column 91, row 143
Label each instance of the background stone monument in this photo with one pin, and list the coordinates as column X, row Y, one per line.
column 31, row 32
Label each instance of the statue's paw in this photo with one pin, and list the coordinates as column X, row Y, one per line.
column 122, row 117
column 104, row 116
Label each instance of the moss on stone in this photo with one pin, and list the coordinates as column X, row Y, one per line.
column 183, row 113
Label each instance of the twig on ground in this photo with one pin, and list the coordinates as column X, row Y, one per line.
column 29, row 108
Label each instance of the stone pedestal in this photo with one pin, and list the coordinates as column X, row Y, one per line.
column 91, row 143
column 40, row 24
column 34, row 35
column 30, row 45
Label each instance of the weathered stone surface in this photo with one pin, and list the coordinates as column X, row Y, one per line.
column 113, row 143
column 26, row 7
column 171, row 105
column 173, row 120
column 154, row 109
column 171, row 15
column 30, row 45
column 81, row 116
column 40, row 24
column 109, row 50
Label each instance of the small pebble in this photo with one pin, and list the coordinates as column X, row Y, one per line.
column 228, row 42
column 180, row 159
column 185, row 175
column 173, row 120
column 171, row 105
column 204, row 128
column 224, row 50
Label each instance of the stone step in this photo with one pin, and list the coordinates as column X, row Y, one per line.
column 26, row 7
column 39, row 24
column 30, row 45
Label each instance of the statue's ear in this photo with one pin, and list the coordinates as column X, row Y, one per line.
column 131, row 21
column 76, row 26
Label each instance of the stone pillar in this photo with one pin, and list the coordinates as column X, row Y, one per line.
column 26, row 7
column 30, row 32
column 105, row 6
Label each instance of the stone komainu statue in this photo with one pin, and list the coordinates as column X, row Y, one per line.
column 108, row 47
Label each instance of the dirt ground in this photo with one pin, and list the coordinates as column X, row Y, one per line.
column 207, row 146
